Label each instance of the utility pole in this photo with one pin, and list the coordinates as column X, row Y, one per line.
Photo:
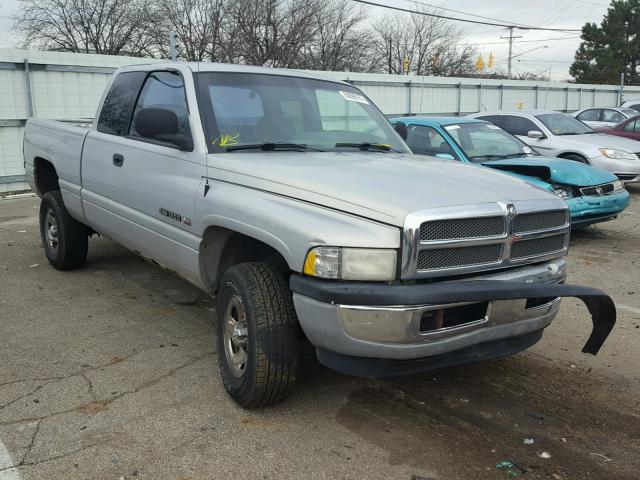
column 621, row 91
column 172, row 46
column 510, row 38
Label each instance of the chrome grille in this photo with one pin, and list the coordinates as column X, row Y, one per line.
column 435, row 259
column 463, row 228
column 463, row 239
column 538, row 246
column 533, row 222
column 598, row 189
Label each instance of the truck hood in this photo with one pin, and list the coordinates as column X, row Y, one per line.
column 381, row 186
column 554, row 170
column 598, row 140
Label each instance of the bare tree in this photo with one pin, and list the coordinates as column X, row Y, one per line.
column 313, row 34
column 429, row 44
column 199, row 26
column 271, row 32
column 342, row 39
column 111, row 27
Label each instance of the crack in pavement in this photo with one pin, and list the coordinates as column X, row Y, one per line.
column 37, row 389
column 88, row 380
column 107, row 402
column 31, row 443
column 88, row 369
column 51, row 459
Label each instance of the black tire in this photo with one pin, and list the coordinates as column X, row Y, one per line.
column 67, row 249
column 271, row 354
column 575, row 158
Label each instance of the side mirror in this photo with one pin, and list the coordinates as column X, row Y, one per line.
column 161, row 124
column 401, row 128
column 445, row 156
column 536, row 134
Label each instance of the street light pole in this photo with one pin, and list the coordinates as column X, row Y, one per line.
column 511, row 38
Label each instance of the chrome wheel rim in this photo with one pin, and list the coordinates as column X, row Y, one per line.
column 51, row 230
column 236, row 337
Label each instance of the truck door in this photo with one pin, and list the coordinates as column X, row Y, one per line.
column 138, row 190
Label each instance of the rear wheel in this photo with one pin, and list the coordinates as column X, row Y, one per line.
column 257, row 335
column 65, row 240
column 575, row 158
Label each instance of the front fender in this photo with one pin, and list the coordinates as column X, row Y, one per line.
column 288, row 225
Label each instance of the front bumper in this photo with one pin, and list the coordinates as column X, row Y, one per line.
column 587, row 210
column 627, row 170
column 628, row 177
column 382, row 321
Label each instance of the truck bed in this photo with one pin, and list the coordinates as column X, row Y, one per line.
column 61, row 144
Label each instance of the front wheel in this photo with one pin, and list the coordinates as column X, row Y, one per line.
column 64, row 239
column 257, row 335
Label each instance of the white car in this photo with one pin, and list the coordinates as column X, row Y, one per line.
column 633, row 104
column 604, row 117
column 557, row 134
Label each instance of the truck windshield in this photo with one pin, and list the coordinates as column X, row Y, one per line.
column 258, row 112
column 483, row 141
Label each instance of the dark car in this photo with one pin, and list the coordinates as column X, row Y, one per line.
column 629, row 128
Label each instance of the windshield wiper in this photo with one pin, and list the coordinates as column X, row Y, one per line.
column 487, row 157
column 271, row 146
column 367, row 146
column 571, row 133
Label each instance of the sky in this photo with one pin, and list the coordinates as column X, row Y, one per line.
column 553, row 51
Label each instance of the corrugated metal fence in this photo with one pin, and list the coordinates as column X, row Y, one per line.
column 67, row 86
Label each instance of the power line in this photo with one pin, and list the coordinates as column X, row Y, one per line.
column 593, row 3
column 456, row 19
column 523, row 41
column 461, row 12
column 545, row 61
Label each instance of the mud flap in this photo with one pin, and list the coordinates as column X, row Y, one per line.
column 600, row 305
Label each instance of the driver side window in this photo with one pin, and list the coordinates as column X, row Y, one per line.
column 517, row 125
column 632, row 126
column 427, row 141
column 612, row 116
column 164, row 90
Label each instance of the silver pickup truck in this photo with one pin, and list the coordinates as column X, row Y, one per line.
column 292, row 199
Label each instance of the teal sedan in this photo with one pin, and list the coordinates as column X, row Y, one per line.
column 593, row 195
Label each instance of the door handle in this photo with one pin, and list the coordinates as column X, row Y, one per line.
column 118, row 160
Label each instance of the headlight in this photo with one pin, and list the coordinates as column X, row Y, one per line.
column 351, row 263
column 617, row 185
column 617, row 154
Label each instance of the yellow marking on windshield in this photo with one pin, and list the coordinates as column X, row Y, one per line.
column 226, row 140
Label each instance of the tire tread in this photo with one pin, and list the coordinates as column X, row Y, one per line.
column 73, row 235
column 276, row 355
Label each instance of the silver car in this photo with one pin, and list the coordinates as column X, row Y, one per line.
column 560, row 135
column 633, row 104
column 604, row 117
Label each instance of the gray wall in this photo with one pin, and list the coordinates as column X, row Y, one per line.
column 68, row 86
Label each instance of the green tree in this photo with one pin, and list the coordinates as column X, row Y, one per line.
column 611, row 48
